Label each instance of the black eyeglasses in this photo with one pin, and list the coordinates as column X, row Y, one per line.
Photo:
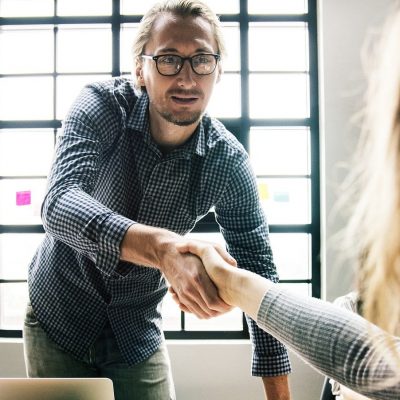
column 171, row 64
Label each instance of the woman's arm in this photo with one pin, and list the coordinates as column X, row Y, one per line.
column 338, row 343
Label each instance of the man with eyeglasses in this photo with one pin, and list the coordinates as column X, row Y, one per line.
column 135, row 169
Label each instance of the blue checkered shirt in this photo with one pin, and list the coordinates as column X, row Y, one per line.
column 108, row 174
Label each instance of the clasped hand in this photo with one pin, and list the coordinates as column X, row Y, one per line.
column 190, row 285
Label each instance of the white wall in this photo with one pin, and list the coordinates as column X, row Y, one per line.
column 217, row 370
column 344, row 25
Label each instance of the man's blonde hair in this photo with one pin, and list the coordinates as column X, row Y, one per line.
column 182, row 8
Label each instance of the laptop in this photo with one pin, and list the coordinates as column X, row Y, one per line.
column 56, row 389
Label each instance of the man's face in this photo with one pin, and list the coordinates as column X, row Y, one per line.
column 182, row 98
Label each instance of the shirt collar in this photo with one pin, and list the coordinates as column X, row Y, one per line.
column 139, row 121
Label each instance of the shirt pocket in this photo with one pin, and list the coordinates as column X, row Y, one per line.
column 30, row 317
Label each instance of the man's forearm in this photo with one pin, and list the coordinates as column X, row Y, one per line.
column 143, row 244
column 276, row 387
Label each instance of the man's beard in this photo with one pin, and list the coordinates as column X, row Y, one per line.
column 183, row 121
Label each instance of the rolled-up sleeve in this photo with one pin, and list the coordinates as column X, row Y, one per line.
column 70, row 211
column 245, row 230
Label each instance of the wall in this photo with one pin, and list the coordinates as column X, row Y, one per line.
column 345, row 24
column 214, row 370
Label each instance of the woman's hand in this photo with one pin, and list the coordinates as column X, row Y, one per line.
column 216, row 261
column 236, row 287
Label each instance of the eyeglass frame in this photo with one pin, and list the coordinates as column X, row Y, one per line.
column 217, row 58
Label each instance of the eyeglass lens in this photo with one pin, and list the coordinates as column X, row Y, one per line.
column 202, row 64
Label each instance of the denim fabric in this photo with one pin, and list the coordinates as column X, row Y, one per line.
column 149, row 380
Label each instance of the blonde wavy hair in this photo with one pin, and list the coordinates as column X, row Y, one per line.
column 182, row 8
column 375, row 224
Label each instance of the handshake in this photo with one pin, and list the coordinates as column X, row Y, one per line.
column 203, row 277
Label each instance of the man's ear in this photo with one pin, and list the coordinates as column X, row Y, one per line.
column 139, row 74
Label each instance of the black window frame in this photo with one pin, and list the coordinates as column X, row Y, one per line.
column 239, row 126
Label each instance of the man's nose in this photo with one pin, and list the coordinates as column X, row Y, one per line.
column 186, row 75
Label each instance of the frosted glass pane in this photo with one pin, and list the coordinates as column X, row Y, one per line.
column 26, row 8
column 279, row 96
column 128, row 32
column 14, row 262
column 26, row 98
column 301, row 289
column 280, row 151
column 129, row 7
column 87, row 7
column 171, row 314
column 232, row 42
column 84, row 49
column 13, row 301
column 26, row 152
column 231, row 321
column 26, row 50
column 278, row 47
column 285, row 201
column 212, row 237
column 277, row 6
column 222, row 104
column 224, row 6
column 20, row 201
column 292, row 255
column 69, row 87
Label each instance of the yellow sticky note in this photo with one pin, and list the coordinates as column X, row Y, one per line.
column 263, row 191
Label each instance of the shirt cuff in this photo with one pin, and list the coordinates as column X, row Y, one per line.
column 275, row 365
column 112, row 233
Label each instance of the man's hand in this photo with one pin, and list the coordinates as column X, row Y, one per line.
column 191, row 286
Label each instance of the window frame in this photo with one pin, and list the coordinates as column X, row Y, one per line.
column 239, row 126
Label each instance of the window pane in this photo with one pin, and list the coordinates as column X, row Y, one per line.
column 277, row 6
column 302, row 289
column 26, row 50
column 128, row 32
column 129, row 7
column 232, row 42
column 26, row 98
column 171, row 314
column 14, row 262
column 278, row 47
column 285, row 201
column 292, row 255
column 84, row 49
column 224, row 6
column 280, row 151
column 69, row 87
column 20, row 201
column 279, row 96
column 231, row 321
column 214, row 237
column 87, row 7
column 222, row 105
column 26, row 152
column 13, row 301
column 26, row 8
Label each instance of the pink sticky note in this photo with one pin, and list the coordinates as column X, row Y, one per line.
column 23, row 198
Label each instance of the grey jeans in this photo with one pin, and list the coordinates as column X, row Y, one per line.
column 148, row 380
